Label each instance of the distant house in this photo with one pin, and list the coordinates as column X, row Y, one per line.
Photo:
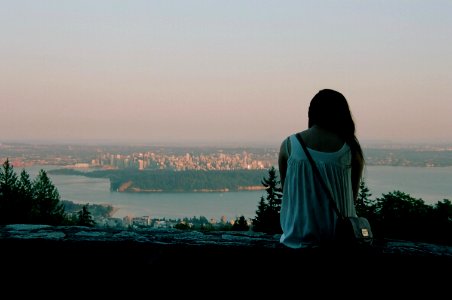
column 141, row 221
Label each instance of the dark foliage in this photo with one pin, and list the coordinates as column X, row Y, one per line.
column 182, row 226
column 46, row 208
column 240, row 224
column 363, row 204
column 85, row 218
column 9, row 206
column 96, row 210
column 29, row 202
column 267, row 214
column 398, row 215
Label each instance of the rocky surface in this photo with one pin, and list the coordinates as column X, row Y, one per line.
column 175, row 238
column 60, row 247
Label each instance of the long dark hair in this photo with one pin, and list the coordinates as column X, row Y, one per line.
column 329, row 109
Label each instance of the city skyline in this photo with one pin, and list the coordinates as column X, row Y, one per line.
column 221, row 73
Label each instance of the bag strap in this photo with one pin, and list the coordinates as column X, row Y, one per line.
column 319, row 177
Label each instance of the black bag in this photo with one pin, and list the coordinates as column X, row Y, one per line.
column 353, row 231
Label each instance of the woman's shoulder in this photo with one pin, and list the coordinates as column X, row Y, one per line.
column 286, row 144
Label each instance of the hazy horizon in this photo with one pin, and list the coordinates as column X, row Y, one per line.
column 222, row 73
column 210, row 144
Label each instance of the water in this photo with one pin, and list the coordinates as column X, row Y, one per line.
column 81, row 189
column 430, row 184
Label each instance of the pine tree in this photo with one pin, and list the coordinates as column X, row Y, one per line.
column 8, row 193
column 274, row 191
column 267, row 216
column 364, row 205
column 47, row 208
column 25, row 197
column 85, row 218
column 259, row 221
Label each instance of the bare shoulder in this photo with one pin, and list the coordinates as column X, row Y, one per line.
column 284, row 149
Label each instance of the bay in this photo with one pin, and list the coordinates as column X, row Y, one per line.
column 211, row 205
column 430, row 184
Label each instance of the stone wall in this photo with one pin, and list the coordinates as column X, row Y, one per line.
column 172, row 250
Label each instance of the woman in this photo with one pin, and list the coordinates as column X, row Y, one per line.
column 307, row 218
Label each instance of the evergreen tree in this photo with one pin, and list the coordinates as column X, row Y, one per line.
column 25, row 198
column 47, row 208
column 364, row 205
column 274, row 191
column 85, row 218
column 8, row 178
column 259, row 221
column 8, row 193
column 267, row 216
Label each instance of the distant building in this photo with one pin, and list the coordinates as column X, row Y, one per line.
column 81, row 165
column 127, row 220
column 141, row 221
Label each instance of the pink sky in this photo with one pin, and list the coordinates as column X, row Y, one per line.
column 235, row 72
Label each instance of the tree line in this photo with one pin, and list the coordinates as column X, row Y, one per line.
column 398, row 215
column 395, row 215
column 24, row 200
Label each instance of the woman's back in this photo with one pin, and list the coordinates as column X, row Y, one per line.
column 306, row 215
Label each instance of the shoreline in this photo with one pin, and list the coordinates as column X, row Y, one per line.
column 200, row 191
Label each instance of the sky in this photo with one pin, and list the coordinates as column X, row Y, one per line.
column 222, row 72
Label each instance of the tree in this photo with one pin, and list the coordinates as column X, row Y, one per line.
column 398, row 215
column 364, row 205
column 47, row 208
column 27, row 202
column 260, row 219
column 441, row 222
column 25, row 197
column 443, row 211
column 8, row 178
column 267, row 215
column 85, row 218
column 240, row 224
column 182, row 226
column 8, row 193
column 274, row 191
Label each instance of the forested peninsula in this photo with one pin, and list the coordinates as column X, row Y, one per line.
column 132, row 180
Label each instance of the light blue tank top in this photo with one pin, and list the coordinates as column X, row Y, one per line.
column 307, row 218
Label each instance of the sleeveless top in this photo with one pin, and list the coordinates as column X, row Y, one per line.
column 306, row 217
